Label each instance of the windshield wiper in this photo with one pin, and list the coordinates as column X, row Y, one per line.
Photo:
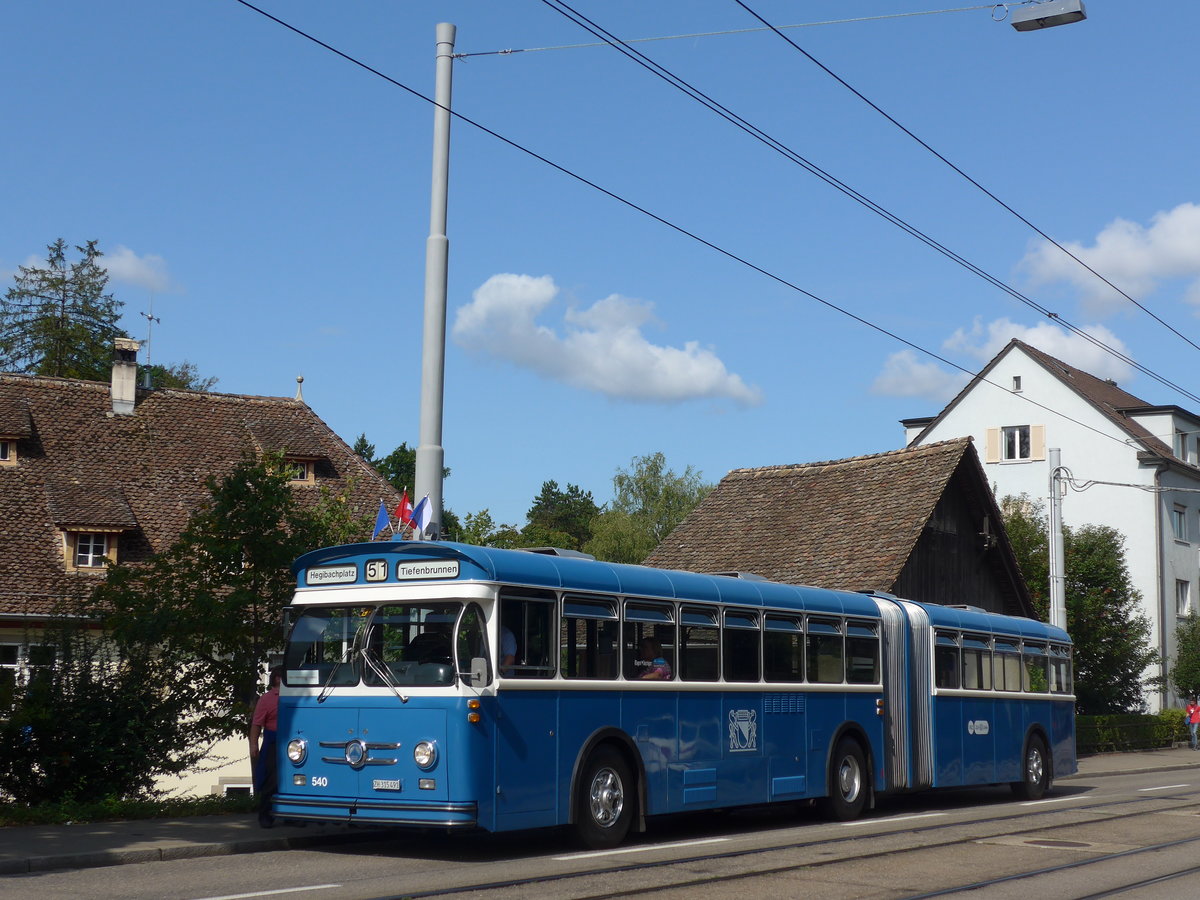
column 347, row 657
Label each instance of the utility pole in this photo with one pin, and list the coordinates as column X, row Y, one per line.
column 430, row 453
column 1058, row 573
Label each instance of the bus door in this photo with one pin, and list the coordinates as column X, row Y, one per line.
column 526, row 750
column 784, row 722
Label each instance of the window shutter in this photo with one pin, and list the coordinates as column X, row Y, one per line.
column 992, row 446
column 1037, row 441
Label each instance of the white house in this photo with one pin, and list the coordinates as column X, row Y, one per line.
column 1133, row 467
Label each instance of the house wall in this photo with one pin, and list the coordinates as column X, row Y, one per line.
column 1094, row 450
column 950, row 564
column 225, row 769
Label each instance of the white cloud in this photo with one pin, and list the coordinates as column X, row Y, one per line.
column 599, row 349
column 149, row 271
column 1133, row 257
column 907, row 375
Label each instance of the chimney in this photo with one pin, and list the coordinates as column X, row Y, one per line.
column 124, row 376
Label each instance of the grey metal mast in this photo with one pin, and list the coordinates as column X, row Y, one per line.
column 430, row 453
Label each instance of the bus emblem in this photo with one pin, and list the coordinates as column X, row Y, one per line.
column 978, row 726
column 743, row 729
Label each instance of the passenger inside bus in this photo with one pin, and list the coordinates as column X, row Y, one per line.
column 651, row 664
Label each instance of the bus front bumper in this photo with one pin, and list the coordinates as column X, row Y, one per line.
column 354, row 811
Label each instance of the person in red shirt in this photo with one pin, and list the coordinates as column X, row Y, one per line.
column 264, row 757
column 1192, row 714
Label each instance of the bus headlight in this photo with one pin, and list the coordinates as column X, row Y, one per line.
column 425, row 754
column 297, row 750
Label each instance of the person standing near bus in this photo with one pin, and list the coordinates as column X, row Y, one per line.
column 264, row 758
column 1192, row 714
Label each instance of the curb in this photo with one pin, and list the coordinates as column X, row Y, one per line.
column 104, row 858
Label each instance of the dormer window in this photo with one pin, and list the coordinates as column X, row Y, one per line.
column 8, row 452
column 90, row 550
column 300, row 471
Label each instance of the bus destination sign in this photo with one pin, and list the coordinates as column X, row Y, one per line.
column 347, row 574
column 428, row 568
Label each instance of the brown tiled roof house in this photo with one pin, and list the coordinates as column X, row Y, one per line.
column 921, row 523
column 75, row 464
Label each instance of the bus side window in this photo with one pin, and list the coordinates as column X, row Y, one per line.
column 976, row 663
column 1035, row 669
column 945, row 660
column 698, row 644
column 825, row 651
column 862, row 653
column 783, row 649
column 531, row 623
column 654, row 624
column 1008, row 667
column 588, row 638
column 740, row 646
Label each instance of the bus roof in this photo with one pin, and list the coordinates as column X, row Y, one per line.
column 331, row 566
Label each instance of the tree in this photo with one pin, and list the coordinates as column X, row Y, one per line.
column 481, row 530
column 1185, row 670
column 212, row 603
column 136, row 726
column 648, row 502
column 1111, row 635
column 400, row 469
column 564, row 517
column 181, row 376
column 59, row 320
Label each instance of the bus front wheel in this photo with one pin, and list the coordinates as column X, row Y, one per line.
column 604, row 800
column 847, row 782
column 1035, row 771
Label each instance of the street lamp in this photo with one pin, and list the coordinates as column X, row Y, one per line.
column 1047, row 13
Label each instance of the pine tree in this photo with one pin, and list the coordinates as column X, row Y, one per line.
column 59, row 320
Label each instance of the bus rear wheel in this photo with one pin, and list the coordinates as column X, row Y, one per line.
column 1035, row 771
column 604, row 800
column 847, row 783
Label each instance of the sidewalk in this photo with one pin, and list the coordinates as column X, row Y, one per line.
column 45, row 847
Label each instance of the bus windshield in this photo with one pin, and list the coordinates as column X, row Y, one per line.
column 393, row 645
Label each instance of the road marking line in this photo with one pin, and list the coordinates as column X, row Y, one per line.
column 295, row 890
column 891, row 819
column 1165, row 787
column 1043, row 802
column 643, row 849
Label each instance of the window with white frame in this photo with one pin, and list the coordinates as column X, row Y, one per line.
column 1016, row 383
column 1179, row 523
column 300, row 471
column 1183, row 597
column 91, row 548
column 8, row 452
column 20, row 663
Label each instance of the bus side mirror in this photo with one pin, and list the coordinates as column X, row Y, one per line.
column 479, row 672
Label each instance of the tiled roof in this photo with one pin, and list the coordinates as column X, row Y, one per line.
column 1110, row 401
column 79, row 465
column 848, row 523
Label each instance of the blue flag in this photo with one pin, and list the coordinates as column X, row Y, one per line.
column 382, row 520
column 420, row 518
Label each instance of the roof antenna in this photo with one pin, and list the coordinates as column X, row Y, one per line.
column 150, row 320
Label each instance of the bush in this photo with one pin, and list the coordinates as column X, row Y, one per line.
column 111, row 809
column 1128, row 731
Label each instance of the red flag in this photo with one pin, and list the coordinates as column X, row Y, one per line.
column 404, row 510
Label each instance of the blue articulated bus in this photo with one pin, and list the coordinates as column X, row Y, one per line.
column 448, row 686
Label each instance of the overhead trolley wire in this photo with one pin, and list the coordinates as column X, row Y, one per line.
column 754, row 131
column 669, row 224
column 779, row 31
column 702, row 34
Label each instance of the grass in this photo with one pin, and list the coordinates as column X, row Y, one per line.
column 73, row 811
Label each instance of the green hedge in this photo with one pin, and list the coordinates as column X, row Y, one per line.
column 1129, row 731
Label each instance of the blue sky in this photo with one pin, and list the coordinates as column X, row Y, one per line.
column 272, row 201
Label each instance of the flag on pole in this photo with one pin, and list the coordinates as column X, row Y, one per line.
column 421, row 517
column 404, row 510
column 381, row 520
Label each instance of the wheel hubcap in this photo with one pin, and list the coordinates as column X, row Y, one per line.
column 606, row 798
column 1035, row 766
column 849, row 779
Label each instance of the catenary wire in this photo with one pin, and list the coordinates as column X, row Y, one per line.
column 703, row 34
column 778, row 279
column 967, row 177
column 760, row 135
